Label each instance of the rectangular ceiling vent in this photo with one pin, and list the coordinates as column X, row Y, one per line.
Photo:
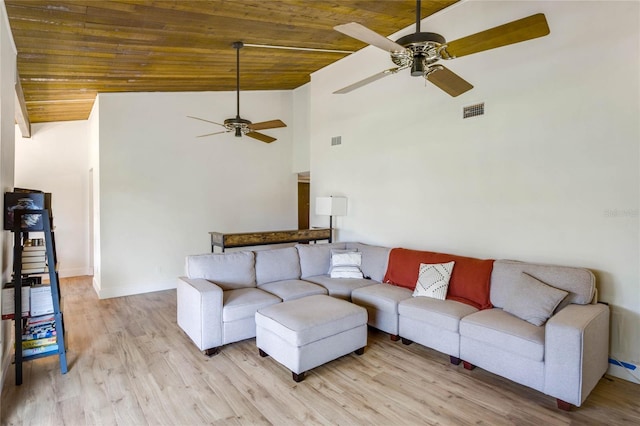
column 473, row 110
column 336, row 140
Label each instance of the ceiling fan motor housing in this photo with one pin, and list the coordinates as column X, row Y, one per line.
column 423, row 49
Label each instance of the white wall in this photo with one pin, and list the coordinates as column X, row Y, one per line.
column 549, row 174
column 162, row 190
column 301, row 134
column 56, row 159
column 93, row 139
column 7, row 142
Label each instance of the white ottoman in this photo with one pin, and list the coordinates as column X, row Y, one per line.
column 304, row 333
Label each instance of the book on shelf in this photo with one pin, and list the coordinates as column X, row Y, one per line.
column 33, row 256
column 8, row 304
column 40, row 350
column 34, row 249
column 41, row 324
column 38, row 331
column 41, row 300
column 35, row 334
column 35, row 271
column 39, row 327
column 40, row 270
column 40, row 320
column 36, row 343
column 34, row 264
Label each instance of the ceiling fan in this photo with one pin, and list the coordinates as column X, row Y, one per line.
column 239, row 125
column 421, row 51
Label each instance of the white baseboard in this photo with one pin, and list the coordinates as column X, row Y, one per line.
column 623, row 373
column 110, row 292
column 74, row 272
column 96, row 285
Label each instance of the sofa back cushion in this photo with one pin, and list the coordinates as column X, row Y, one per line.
column 229, row 270
column 277, row 265
column 470, row 279
column 315, row 259
column 374, row 260
column 579, row 282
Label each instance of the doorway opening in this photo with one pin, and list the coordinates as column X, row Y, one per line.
column 304, row 183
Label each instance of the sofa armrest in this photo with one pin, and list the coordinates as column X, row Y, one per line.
column 576, row 351
column 200, row 311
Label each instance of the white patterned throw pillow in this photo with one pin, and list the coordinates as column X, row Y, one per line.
column 433, row 280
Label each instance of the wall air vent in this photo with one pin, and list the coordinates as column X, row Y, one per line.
column 473, row 110
column 336, row 140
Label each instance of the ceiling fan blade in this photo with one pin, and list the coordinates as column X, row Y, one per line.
column 367, row 80
column 202, row 119
column 261, row 137
column 364, row 34
column 524, row 29
column 273, row 124
column 214, row 133
column 449, row 81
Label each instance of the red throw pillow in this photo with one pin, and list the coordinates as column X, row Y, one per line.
column 470, row 280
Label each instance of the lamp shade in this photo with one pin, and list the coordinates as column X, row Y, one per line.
column 331, row 206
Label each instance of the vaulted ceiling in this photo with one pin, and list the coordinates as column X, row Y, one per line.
column 69, row 51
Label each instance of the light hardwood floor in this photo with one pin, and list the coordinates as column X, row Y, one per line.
column 129, row 364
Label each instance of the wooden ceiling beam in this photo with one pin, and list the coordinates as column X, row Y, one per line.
column 21, row 113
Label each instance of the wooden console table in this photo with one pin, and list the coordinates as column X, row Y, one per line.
column 226, row 240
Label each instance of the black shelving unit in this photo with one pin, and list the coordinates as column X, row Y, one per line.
column 20, row 237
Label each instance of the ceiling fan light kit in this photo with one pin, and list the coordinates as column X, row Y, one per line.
column 420, row 51
column 237, row 125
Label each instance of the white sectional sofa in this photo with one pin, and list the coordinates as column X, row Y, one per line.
column 478, row 323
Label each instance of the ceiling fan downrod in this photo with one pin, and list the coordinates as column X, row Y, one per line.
column 238, row 45
column 417, row 68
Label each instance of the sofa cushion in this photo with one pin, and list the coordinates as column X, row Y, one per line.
column 277, row 265
column 374, row 260
column 340, row 287
column 293, row 289
column 579, row 282
column 444, row 314
column 383, row 297
column 532, row 300
column 228, row 270
column 433, row 280
column 469, row 282
column 315, row 258
column 244, row 302
column 504, row 331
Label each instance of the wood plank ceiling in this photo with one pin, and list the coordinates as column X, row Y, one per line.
column 68, row 51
